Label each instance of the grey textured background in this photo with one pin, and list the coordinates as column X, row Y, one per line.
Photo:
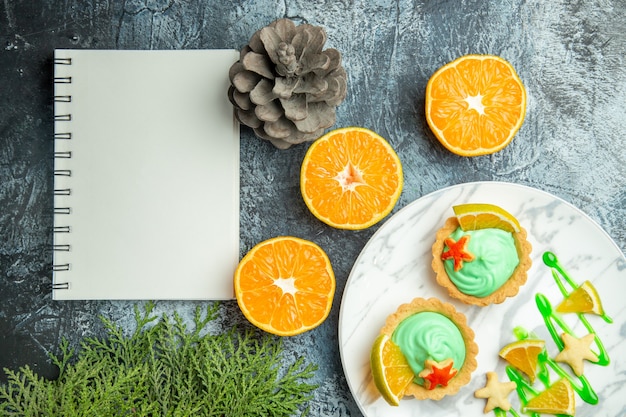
column 570, row 55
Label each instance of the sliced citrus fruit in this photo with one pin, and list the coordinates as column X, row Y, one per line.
column 351, row 178
column 523, row 355
column 285, row 285
column 475, row 104
column 390, row 369
column 483, row 216
column 584, row 299
column 558, row 398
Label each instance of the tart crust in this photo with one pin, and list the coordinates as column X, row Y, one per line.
column 463, row 376
column 509, row 289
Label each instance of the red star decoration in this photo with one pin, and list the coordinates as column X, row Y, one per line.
column 437, row 373
column 457, row 251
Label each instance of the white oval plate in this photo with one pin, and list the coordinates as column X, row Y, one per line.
column 394, row 267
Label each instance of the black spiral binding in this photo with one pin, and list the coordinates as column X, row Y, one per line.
column 61, row 285
column 63, row 173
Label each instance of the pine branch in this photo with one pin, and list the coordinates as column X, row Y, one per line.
column 164, row 368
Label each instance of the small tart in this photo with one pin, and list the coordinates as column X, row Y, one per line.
column 462, row 377
column 509, row 289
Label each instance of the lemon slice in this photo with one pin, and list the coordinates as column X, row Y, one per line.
column 584, row 299
column 476, row 216
column 390, row 369
column 558, row 398
column 523, row 355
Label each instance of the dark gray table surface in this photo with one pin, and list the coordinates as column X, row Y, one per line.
column 569, row 54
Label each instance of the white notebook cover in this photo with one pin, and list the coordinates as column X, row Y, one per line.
column 146, row 175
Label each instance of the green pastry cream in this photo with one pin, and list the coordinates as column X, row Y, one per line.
column 429, row 335
column 495, row 259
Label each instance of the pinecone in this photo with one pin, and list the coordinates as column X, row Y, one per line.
column 284, row 86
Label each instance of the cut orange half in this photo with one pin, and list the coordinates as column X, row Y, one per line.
column 285, row 285
column 584, row 299
column 558, row 398
column 351, row 178
column 390, row 369
column 475, row 105
column 484, row 216
column 523, row 355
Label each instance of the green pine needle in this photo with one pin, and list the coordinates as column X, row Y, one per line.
column 165, row 369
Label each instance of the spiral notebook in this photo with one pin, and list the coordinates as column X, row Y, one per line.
column 146, row 184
